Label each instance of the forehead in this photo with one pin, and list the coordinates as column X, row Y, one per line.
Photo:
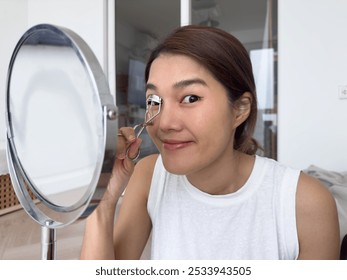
column 174, row 71
column 171, row 68
column 176, row 63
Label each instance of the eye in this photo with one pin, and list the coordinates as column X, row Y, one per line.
column 190, row 99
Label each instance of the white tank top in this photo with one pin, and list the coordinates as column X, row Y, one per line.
column 256, row 222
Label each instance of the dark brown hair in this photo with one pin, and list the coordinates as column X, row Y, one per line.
column 227, row 59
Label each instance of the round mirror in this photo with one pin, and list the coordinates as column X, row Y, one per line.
column 61, row 126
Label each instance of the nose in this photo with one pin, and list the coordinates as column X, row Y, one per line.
column 169, row 118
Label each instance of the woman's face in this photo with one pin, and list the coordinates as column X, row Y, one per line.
column 195, row 128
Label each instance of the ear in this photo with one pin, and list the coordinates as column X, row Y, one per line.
column 242, row 108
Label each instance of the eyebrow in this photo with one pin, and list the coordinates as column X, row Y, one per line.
column 180, row 84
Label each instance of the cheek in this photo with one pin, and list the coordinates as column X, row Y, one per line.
column 218, row 116
column 150, row 131
column 219, row 128
column 213, row 129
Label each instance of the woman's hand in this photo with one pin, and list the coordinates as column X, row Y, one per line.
column 128, row 148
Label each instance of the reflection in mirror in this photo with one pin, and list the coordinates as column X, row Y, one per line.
column 56, row 119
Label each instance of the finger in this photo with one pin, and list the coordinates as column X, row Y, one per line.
column 128, row 133
column 134, row 149
column 126, row 136
column 121, row 146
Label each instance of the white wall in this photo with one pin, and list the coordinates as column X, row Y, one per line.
column 312, row 120
column 13, row 22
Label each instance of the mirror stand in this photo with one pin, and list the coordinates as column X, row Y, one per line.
column 48, row 242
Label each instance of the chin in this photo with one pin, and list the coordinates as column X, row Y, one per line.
column 180, row 166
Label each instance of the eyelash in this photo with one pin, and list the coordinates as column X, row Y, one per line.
column 196, row 98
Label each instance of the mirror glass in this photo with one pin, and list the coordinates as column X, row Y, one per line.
column 57, row 123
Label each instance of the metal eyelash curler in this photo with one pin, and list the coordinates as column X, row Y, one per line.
column 153, row 107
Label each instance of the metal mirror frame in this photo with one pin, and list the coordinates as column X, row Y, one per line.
column 46, row 214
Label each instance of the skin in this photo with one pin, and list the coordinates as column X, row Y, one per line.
column 196, row 140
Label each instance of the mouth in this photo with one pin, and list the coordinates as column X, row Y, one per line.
column 172, row 145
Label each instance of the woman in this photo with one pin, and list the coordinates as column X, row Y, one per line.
column 207, row 195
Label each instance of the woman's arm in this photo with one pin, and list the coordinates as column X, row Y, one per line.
column 127, row 237
column 97, row 240
column 133, row 225
column 317, row 221
column 98, row 236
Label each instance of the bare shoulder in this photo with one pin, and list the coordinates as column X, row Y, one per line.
column 312, row 195
column 317, row 221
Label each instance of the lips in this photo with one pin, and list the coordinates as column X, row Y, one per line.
column 172, row 144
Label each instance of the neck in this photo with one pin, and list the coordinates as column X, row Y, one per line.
column 226, row 175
